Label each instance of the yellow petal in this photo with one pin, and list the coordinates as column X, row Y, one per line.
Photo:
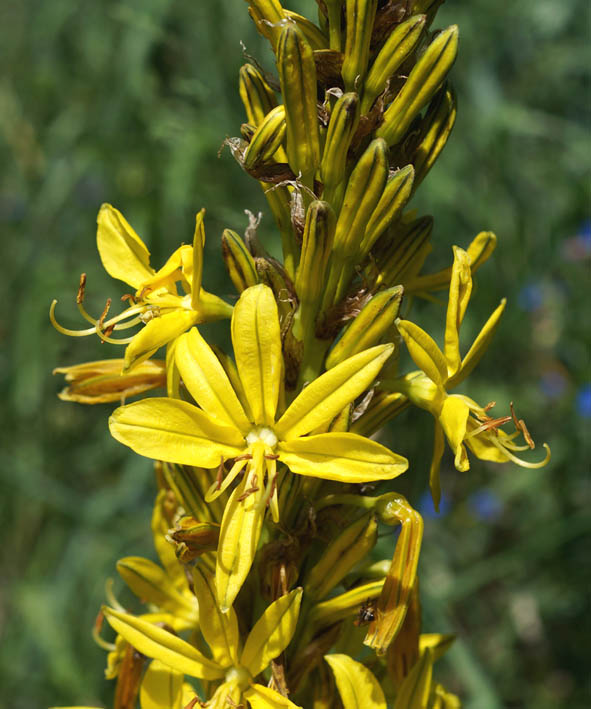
column 174, row 431
column 438, row 448
column 239, row 537
column 159, row 644
column 257, row 348
column 123, row 253
column 438, row 643
column 425, row 353
column 396, row 594
column 460, row 288
column 345, row 604
column 260, row 697
column 198, row 244
column 414, row 690
column 207, row 381
column 149, row 583
column 454, row 419
column 328, row 395
column 161, row 687
column 479, row 346
column 166, row 276
column 341, row 456
column 220, row 630
column 358, row 688
column 272, row 632
column 156, row 333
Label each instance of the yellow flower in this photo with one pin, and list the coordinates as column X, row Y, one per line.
column 157, row 302
column 241, row 422
column 234, row 667
column 460, row 419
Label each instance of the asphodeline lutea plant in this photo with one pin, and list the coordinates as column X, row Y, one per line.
column 272, row 589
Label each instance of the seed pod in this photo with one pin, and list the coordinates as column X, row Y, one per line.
column 297, row 73
column 399, row 45
column 435, row 130
column 267, row 138
column 256, row 94
column 352, row 545
column 238, row 260
column 341, row 129
column 366, row 330
column 316, row 249
column 424, row 79
column 394, row 198
column 193, row 538
column 360, row 16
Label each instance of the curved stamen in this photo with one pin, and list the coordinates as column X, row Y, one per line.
column 101, row 642
column 523, row 463
column 65, row 330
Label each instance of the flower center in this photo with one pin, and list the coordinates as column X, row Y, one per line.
column 240, row 675
column 264, row 434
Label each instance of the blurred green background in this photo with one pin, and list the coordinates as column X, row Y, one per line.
column 128, row 102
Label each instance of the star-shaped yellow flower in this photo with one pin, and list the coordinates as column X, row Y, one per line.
column 156, row 302
column 241, row 422
column 460, row 419
column 232, row 667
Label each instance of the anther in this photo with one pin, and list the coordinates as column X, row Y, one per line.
column 128, row 297
column 105, row 312
column 81, row 289
column 270, row 456
column 246, row 456
column 220, row 473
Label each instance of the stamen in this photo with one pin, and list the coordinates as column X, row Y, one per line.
column 111, row 597
column 271, row 456
column 523, row 463
column 101, row 642
column 129, row 298
column 246, row 456
column 65, row 330
column 251, row 490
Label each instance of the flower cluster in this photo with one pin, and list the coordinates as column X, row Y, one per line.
column 266, row 517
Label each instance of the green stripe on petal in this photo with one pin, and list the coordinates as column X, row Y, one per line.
column 346, row 457
column 257, row 348
column 175, row 432
column 207, row 382
column 328, row 395
column 159, row 644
